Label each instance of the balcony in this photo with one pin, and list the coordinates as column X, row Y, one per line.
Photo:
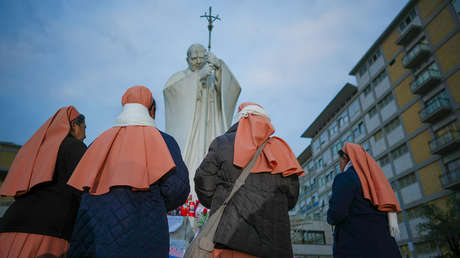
column 438, row 109
column 451, row 180
column 425, row 81
column 409, row 33
column 418, row 54
column 445, row 143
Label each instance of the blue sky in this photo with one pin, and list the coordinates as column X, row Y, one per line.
column 289, row 56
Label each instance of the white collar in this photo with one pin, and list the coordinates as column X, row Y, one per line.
column 135, row 114
column 347, row 166
column 252, row 109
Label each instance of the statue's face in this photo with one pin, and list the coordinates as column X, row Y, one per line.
column 197, row 58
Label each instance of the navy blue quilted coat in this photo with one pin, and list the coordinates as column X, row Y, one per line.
column 361, row 230
column 126, row 223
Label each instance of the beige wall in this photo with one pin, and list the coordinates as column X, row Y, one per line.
column 454, row 85
column 440, row 26
column 411, row 118
column 403, row 93
column 429, row 177
column 389, row 46
column 396, row 71
column 428, row 7
column 420, row 147
column 449, row 53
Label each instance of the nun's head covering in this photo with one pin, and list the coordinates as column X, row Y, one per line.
column 253, row 130
column 375, row 185
column 132, row 153
column 36, row 160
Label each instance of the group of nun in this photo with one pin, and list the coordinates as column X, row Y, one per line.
column 111, row 199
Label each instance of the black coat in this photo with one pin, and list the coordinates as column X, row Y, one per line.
column 360, row 229
column 49, row 208
column 256, row 220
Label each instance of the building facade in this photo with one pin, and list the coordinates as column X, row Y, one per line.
column 404, row 111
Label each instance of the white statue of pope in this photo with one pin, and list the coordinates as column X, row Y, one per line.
column 199, row 105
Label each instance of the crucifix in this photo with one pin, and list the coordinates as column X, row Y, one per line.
column 210, row 19
column 210, row 80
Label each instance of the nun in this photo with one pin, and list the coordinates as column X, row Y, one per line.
column 362, row 208
column 132, row 175
column 40, row 220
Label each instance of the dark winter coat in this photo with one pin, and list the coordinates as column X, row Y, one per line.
column 256, row 220
column 360, row 229
column 49, row 208
column 126, row 223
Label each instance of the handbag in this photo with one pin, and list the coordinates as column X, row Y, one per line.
column 203, row 244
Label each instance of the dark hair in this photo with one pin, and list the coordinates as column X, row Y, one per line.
column 343, row 155
column 154, row 106
column 79, row 120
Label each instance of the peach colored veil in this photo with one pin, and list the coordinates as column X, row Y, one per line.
column 36, row 160
column 132, row 155
column 253, row 130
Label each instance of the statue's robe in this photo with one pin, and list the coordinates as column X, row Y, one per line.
column 189, row 101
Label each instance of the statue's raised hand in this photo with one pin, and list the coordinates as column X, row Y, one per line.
column 213, row 60
column 205, row 71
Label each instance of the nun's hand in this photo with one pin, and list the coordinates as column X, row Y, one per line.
column 393, row 224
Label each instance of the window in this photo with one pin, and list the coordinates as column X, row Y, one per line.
column 333, row 129
column 320, row 163
column 399, row 151
column 337, row 146
column 359, row 129
column 362, row 71
column 366, row 145
column 343, row 120
column 385, row 101
column 407, row 21
column 314, row 238
column 353, row 109
column 323, row 138
column 330, row 176
column 385, row 160
column 337, row 169
column 367, row 90
column 414, row 213
column 407, row 180
column 392, row 125
column 372, row 112
column 316, row 146
column 374, row 57
column 456, row 4
column 453, row 166
column 380, row 77
column 311, row 165
column 321, row 181
column 378, row 135
column 348, row 137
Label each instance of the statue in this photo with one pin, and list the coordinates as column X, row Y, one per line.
column 199, row 105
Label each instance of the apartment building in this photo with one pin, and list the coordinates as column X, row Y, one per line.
column 404, row 111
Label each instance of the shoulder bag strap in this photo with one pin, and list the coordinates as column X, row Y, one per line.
column 242, row 178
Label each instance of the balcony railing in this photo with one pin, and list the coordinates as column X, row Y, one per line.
column 409, row 33
column 414, row 57
column 436, row 110
column 425, row 81
column 445, row 143
column 451, row 180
